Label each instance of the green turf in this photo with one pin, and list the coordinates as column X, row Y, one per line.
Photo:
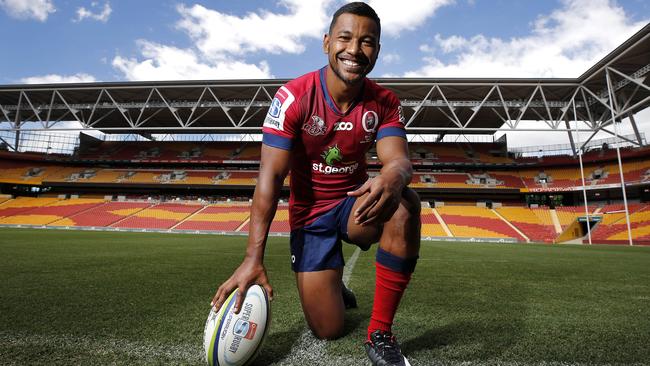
column 74, row 297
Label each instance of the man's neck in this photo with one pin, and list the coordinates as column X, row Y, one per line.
column 343, row 94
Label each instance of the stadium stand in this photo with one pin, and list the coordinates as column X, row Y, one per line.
column 160, row 216
column 103, row 215
column 532, row 222
column 430, row 224
column 476, row 222
column 464, row 169
column 280, row 224
column 220, row 217
column 50, row 211
column 613, row 228
column 22, row 205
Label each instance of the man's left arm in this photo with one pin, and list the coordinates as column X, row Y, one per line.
column 385, row 190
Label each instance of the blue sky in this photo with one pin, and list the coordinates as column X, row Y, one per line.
column 77, row 40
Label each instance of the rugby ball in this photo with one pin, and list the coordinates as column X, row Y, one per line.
column 231, row 339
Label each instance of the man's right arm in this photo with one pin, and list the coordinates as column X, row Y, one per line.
column 274, row 167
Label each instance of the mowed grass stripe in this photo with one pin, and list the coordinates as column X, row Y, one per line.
column 468, row 304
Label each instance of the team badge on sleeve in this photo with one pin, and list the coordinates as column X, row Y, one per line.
column 277, row 112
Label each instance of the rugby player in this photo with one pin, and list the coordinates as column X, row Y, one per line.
column 319, row 127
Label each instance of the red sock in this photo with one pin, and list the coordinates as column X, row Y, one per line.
column 389, row 287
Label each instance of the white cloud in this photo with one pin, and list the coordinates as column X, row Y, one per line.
column 222, row 42
column 216, row 33
column 401, row 15
column 100, row 15
column 58, row 79
column 564, row 43
column 28, row 9
column 391, row 58
column 171, row 63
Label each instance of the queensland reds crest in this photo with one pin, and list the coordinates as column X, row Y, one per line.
column 370, row 121
column 315, row 127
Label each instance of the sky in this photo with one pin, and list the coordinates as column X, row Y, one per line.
column 51, row 41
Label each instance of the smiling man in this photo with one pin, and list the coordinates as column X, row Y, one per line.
column 319, row 127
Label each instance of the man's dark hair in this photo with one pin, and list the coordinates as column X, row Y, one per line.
column 357, row 8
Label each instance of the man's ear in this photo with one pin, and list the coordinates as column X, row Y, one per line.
column 326, row 43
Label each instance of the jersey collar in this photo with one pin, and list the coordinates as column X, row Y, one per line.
column 328, row 97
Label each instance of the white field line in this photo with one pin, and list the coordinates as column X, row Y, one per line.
column 308, row 350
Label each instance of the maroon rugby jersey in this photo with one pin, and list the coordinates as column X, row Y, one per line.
column 328, row 148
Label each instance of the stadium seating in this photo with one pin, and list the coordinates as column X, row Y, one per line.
column 161, row 216
column 568, row 214
column 280, row 223
column 476, row 222
column 221, row 217
column 532, row 222
column 430, row 224
column 103, row 215
column 51, row 211
column 613, row 228
column 23, row 205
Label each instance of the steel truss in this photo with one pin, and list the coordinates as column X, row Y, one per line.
column 492, row 106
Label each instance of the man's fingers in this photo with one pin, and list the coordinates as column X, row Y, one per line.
column 367, row 203
column 361, row 190
column 219, row 297
column 373, row 212
column 269, row 291
column 239, row 298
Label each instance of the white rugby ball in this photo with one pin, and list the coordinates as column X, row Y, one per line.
column 231, row 339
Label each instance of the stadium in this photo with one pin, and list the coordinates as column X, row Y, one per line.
column 112, row 192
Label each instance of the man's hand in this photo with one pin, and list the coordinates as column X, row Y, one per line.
column 381, row 202
column 250, row 272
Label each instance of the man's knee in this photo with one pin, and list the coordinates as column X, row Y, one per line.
column 409, row 208
column 327, row 331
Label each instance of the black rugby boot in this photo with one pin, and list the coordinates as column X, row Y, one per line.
column 383, row 350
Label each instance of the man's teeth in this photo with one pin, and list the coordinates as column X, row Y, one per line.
column 350, row 63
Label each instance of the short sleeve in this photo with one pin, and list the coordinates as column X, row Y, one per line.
column 279, row 129
column 393, row 122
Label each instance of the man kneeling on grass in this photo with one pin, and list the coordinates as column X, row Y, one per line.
column 319, row 127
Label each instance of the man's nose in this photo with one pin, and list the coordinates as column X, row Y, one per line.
column 354, row 47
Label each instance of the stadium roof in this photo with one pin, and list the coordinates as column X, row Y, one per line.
column 431, row 105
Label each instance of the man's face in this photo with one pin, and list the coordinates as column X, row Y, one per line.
column 352, row 47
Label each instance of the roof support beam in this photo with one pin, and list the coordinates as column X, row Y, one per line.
column 573, row 145
column 636, row 129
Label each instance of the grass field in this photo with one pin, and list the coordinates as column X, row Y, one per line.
column 133, row 298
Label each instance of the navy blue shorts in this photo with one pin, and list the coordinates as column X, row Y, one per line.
column 317, row 246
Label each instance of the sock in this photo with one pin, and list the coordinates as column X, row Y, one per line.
column 392, row 275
